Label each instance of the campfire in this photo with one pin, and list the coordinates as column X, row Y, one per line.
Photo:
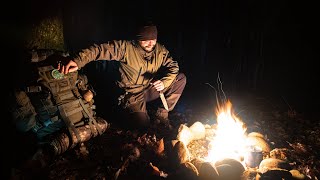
column 229, row 140
column 225, row 149
column 225, row 140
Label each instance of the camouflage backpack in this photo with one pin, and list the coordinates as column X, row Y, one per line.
column 54, row 101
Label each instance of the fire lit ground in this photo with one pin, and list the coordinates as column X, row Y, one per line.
column 247, row 137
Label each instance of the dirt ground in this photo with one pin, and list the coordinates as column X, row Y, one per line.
column 122, row 154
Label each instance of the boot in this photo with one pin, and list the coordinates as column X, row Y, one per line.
column 162, row 118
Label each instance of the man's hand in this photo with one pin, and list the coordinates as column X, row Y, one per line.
column 158, row 85
column 71, row 66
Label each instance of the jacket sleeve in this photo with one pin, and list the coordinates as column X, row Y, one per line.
column 112, row 50
column 171, row 69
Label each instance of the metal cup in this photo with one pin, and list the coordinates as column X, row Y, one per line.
column 253, row 157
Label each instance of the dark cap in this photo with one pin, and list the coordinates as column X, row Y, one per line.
column 147, row 32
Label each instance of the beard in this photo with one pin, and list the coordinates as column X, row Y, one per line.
column 148, row 48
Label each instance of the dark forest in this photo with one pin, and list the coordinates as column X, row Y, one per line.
column 260, row 46
column 258, row 49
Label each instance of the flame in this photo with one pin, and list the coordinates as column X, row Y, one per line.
column 230, row 136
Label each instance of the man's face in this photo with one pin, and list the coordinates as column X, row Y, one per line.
column 148, row 45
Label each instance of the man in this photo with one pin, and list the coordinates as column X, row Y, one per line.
column 145, row 69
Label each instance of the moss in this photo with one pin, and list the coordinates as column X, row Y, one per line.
column 48, row 34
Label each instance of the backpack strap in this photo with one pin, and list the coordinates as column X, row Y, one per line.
column 92, row 119
column 69, row 124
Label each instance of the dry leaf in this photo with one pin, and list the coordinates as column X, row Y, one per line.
column 156, row 170
column 160, row 148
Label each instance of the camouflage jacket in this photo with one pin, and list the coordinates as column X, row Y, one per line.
column 136, row 67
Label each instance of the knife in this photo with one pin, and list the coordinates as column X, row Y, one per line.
column 164, row 101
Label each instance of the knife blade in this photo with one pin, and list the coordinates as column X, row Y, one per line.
column 164, row 101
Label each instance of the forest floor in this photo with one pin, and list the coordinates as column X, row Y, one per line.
column 121, row 154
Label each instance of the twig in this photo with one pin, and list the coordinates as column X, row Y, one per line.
column 122, row 168
column 219, row 82
column 216, row 93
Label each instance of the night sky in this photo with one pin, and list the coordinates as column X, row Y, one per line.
column 263, row 47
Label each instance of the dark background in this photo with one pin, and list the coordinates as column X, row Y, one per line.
column 266, row 48
column 257, row 47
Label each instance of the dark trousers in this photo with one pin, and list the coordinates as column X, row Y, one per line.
column 136, row 115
